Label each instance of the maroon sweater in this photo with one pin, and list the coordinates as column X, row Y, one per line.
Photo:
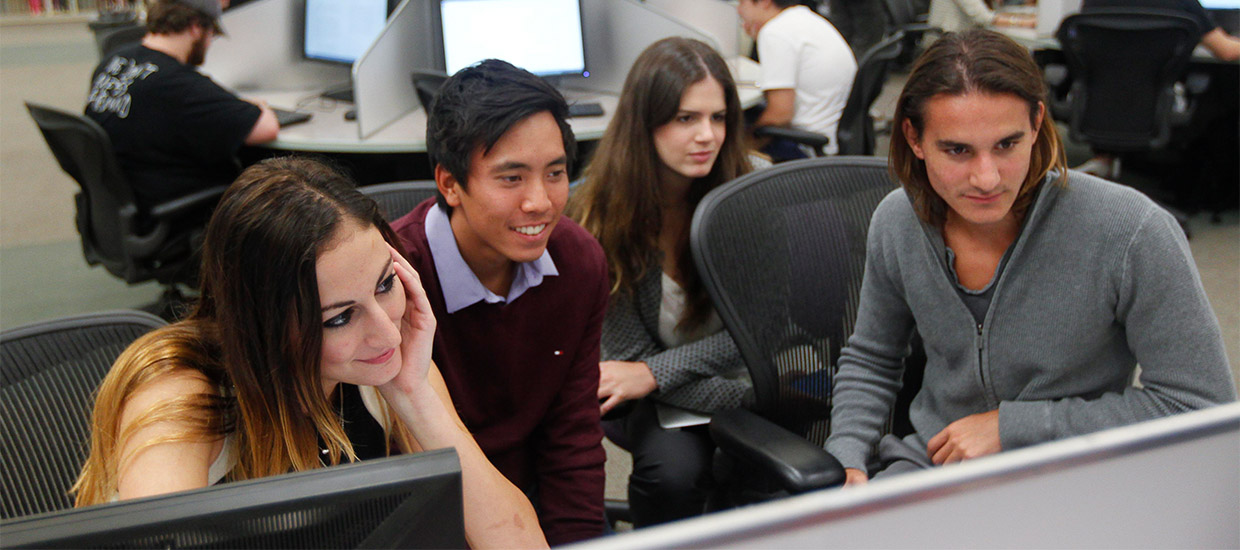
column 524, row 376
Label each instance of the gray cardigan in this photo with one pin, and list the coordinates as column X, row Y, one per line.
column 700, row 375
column 1100, row 279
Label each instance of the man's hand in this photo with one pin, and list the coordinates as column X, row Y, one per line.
column 855, row 478
column 970, row 437
column 620, row 381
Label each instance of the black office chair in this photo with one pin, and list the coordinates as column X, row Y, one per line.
column 397, row 198
column 855, row 133
column 119, row 38
column 1130, row 86
column 1124, row 66
column 48, row 374
column 782, row 252
column 133, row 243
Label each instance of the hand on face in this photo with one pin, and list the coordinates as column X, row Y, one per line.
column 970, row 437
column 620, row 381
column 417, row 327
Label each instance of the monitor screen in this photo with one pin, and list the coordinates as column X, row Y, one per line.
column 408, row 501
column 341, row 30
column 1221, row 4
column 540, row 36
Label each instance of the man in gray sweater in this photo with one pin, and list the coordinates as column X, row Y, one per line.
column 1037, row 292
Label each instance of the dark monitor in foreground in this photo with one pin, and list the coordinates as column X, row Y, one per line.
column 543, row 37
column 409, row 501
column 340, row 31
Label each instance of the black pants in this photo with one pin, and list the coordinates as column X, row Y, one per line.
column 671, row 468
column 861, row 23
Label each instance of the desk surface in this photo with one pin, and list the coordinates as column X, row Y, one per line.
column 329, row 132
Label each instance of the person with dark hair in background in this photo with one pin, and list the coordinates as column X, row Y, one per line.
column 310, row 346
column 1035, row 290
column 518, row 289
column 676, row 134
column 807, row 70
column 173, row 129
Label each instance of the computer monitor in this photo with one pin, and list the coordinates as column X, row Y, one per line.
column 540, row 36
column 1221, row 4
column 339, row 31
column 408, row 501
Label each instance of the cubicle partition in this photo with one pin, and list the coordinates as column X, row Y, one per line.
column 262, row 57
column 715, row 18
column 1168, row 483
column 382, row 89
column 262, row 50
column 616, row 32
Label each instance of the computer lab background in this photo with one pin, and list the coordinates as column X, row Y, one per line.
column 43, row 275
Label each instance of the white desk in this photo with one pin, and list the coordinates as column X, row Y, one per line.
column 329, row 132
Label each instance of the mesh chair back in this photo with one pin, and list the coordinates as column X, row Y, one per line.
column 855, row 134
column 84, row 152
column 120, row 38
column 398, row 198
column 782, row 253
column 1124, row 64
column 48, row 374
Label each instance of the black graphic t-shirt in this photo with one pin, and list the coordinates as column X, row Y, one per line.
column 173, row 129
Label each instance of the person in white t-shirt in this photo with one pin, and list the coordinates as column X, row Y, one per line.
column 807, row 68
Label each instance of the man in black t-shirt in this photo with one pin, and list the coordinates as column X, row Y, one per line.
column 173, row 129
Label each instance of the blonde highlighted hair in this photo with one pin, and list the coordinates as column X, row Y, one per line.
column 255, row 336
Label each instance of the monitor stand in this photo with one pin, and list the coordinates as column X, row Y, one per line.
column 340, row 93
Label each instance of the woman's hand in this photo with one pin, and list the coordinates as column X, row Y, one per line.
column 417, row 327
column 620, row 381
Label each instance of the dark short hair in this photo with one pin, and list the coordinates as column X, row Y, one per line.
column 478, row 105
column 957, row 64
column 171, row 17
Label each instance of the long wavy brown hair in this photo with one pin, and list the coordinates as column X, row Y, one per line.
column 958, row 64
column 255, row 335
column 620, row 202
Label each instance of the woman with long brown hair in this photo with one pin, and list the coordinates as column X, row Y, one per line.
column 676, row 134
column 310, row 345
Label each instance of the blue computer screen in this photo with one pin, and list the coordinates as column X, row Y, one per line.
column 540, row 36
column 341, row 30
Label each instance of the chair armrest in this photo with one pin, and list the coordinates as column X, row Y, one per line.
column 796, row 464
column 812, row 139
column 193, row 201
column 919, row 28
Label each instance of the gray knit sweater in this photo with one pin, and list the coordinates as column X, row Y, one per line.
column 1099, row 280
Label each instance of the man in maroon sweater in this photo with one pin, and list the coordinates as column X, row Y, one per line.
column 519, row 290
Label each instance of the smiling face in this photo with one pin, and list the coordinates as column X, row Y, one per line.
column 363, row 302
column 977, row 147
column 514, row 199
column 688, row 144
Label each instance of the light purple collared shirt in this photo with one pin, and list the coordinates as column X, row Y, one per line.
column 461, row 288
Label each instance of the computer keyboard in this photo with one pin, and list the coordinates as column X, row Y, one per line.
column 286, row 118
column 588, row 108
